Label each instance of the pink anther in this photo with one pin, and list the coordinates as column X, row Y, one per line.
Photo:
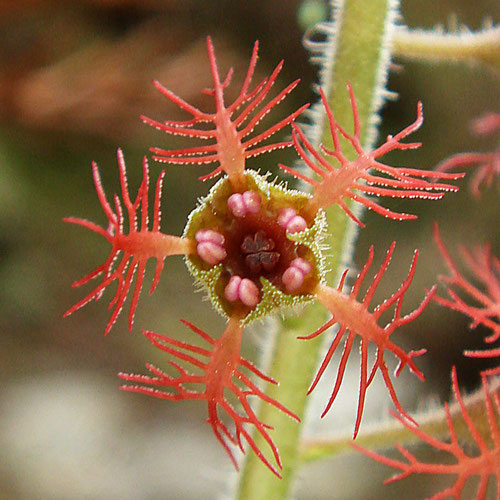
column 243, row 204
column 292, row 222
column 210, row 246
column 242, row 289
column 293, row 277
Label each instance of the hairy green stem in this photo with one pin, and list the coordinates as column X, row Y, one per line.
column 432, row 45
column 357, row 54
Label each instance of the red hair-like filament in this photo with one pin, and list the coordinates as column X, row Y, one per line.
column 487, row 165
column 486, row 270
column 484, row 464
column 356, row 320
column 220, row 369
column 130, row 251
column 232, row 124
column 358, row 179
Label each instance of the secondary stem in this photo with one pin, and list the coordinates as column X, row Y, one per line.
column 436, row 46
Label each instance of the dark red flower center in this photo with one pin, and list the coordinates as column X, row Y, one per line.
column 259, row 252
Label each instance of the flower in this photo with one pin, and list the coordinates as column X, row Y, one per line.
column 256, row 247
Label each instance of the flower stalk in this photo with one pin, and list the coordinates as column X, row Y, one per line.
column 358, row 53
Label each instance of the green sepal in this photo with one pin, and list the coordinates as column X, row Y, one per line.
column 212, row 213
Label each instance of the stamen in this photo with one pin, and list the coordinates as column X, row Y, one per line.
column 210, row 246
column 242, row 204
column 293, row 277
column 242, row 289
column 292, row 222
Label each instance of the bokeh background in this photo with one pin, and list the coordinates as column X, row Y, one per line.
column 74, row 78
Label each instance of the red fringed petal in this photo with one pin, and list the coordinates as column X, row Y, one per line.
column 355, row 319
column 233, row 124
column 358, row 178
column 220, row 367
column 485, row 307
column 487, row 165
column 130, row 251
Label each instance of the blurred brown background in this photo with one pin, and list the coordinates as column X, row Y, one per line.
column 74, row 78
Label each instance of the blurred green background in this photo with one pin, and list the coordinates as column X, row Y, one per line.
column 74, row 78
